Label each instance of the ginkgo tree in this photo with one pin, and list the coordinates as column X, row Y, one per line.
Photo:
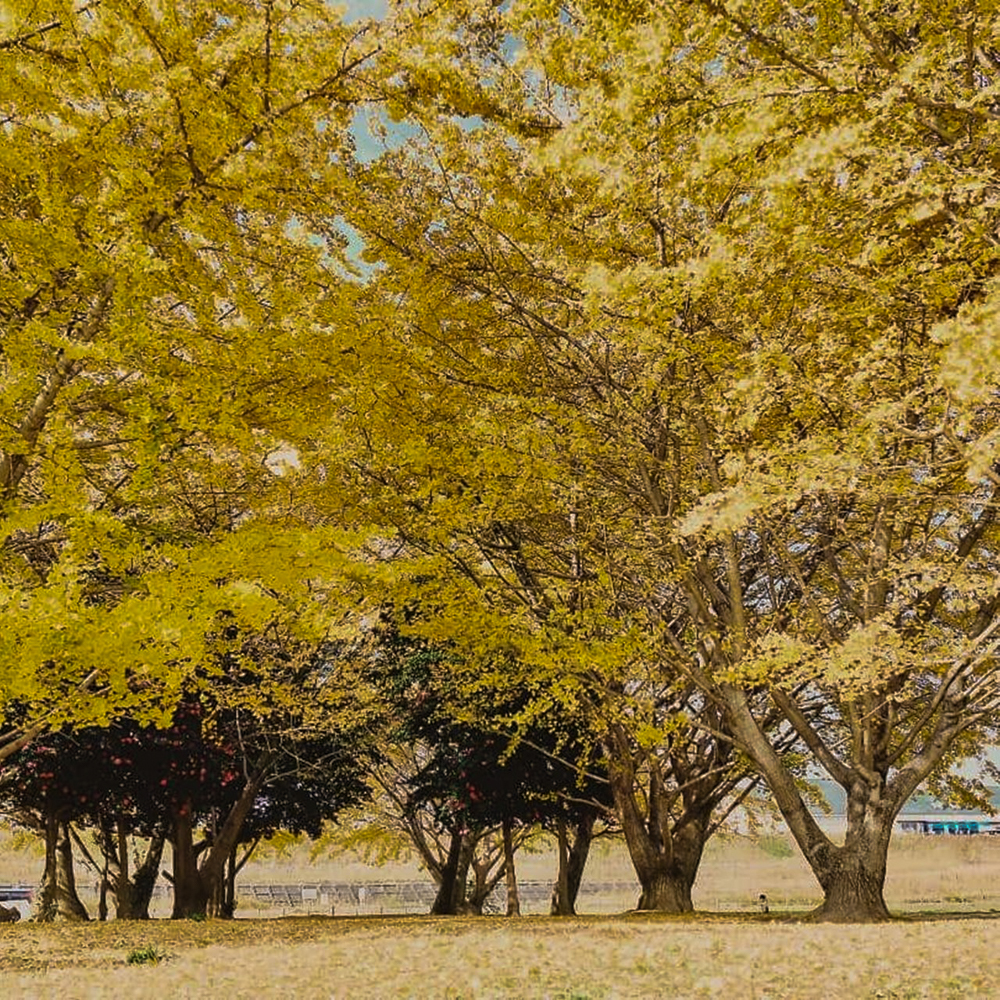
column 168, row 251
column 668, row 369
column 481, row 433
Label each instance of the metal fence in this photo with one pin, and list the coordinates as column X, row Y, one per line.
column 345, row 898
column 399, row 897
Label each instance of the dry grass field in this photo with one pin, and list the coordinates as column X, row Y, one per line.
column 533, row 957
column 945, row 944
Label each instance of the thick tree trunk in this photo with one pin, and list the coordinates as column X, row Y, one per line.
column 510, row 874
column 665, row 852
column 190, row 892
column 572, row 861
column 57, row 898
column 665, row 890
column 852, row 887
column 451, row 890
column 851, row 875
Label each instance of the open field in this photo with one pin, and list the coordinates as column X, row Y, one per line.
column 585, row 959
column 939, row 952
column 953, row 874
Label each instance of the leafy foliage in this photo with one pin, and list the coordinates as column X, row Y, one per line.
column 148, row 955
column 666, row 380
column 155, row 238
column 675, row 382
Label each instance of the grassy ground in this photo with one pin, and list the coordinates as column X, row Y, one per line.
column 722, row 954
column 596, row 957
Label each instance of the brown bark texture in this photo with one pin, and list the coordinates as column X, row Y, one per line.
column 572, row 862
column 57, row 898
column 513, row 900
column 852, row 874
column 199, row 885
column 666, row 839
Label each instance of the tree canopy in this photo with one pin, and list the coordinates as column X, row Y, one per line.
column 675, row 378
column 665, row 381
column 168, row 186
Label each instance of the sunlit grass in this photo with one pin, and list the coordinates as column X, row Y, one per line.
column 730, row 956
column 598, row 957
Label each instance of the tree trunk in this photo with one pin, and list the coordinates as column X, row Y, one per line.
column 451, row 891
column 144, row 879
column 190, row 893
column 572, row 861
column 229, row 890
column 466, row 903
column 132, row 894
column 513, row 901
column 217, row 898
column 68, row 905
column 222, row 902
column 562, row 905
column 212, row 868
column 579, row 852
column 45, row 898
column 199, row 888
column 102, row 899
column 233, row 869
column 455, row 895
column 109, row 851
column 666, row 891
column 665, row 852
column 102, row 904
column 476, row 891
column 123, row 883
column 852, row 876
column 57, row 898
column 852, row 887
column 483, row 882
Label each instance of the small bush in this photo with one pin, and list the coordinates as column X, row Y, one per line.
column 145, row 956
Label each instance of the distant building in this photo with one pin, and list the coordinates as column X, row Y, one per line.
column 938, row 824
column 922, row 813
